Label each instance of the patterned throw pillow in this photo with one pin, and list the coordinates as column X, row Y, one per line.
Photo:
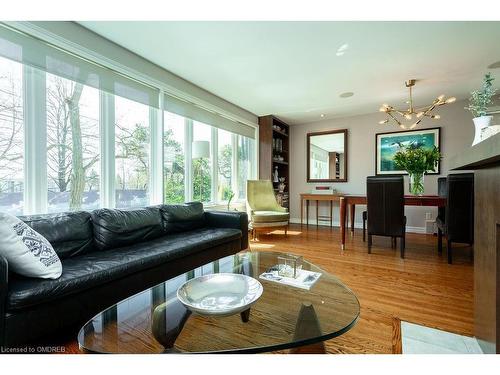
column 27, row 252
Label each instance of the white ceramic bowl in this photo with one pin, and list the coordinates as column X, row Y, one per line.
column 220, row 294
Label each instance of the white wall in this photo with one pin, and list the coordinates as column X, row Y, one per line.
column 456, row 135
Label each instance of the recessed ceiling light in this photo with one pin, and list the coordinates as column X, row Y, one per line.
column 347, row 94
column 495, row 65
column 342, row 49
column 322, row 115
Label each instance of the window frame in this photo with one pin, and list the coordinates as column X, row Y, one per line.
column 35, row 149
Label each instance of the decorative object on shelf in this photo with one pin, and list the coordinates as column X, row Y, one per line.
column 416, row 161
column 220, row 294
column 323, row 190
column 478, row 106
column 281, row 186
column 275, row 174
column 387, row 144
column 412, row 114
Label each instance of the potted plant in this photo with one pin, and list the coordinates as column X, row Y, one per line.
column 478, row 105
column 416, row 161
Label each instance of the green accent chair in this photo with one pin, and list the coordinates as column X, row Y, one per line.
column 263, row 210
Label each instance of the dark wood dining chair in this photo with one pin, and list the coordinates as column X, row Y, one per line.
column 385, row 210
column 456, row 221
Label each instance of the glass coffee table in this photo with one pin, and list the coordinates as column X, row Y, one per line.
column 284, row 317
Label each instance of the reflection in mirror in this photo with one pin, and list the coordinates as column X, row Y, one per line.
column 327, row 156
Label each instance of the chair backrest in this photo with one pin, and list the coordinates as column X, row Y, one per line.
column 260, row 196
column 460, row 207
column 442, row 192
column 385, row 201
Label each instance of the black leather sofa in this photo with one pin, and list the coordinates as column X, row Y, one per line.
column 108, row 255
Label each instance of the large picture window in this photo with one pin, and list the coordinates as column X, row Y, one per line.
column 72, row 145
column 77, row 135
column 132, row 135
column 174, row 133
column 202, row 166
column 11, row 137
column 225, row 166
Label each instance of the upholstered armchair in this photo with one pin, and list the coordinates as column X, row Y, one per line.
column 263, row 210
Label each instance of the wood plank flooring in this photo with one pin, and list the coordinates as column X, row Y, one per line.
column 422, row 288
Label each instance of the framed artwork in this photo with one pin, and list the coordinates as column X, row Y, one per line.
column 387, row 144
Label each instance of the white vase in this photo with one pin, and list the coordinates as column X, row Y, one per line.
column 479, row 124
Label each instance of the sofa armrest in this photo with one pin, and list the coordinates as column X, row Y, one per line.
column 4, row 278
column 230, row 219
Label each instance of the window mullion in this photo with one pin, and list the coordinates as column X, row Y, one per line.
column 107, row 146
column 188, row 160
column 215, row 164
column 35, row 145
column 234, row 166
column 156, row 156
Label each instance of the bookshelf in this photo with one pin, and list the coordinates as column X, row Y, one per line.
column 274, row 153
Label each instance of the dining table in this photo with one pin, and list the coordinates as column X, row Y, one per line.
column 350, row 201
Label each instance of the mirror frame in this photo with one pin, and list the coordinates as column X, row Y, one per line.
column 337, row 131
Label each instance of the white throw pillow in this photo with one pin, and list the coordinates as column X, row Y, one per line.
column 27, row 251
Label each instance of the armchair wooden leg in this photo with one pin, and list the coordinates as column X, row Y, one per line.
column 286, row 230
column 369, row 243
column 449, row 252
column 440, row 241
column 402, row 246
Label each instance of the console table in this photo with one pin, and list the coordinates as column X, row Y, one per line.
column 306, row 197
column 353, row 200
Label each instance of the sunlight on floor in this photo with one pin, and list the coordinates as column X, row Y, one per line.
column 256, row 245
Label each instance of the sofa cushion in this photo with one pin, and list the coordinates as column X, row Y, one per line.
column 69, row 233
column 182, row 217
column 117, row 228
column 97, row 268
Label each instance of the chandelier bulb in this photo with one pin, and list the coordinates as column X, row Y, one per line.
column 408, row 114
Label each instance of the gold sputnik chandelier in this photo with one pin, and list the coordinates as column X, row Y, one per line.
column 410, row 118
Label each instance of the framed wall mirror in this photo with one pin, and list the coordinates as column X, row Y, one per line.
column 327, row 156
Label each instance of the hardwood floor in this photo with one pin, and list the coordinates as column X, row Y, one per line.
column 422, row 288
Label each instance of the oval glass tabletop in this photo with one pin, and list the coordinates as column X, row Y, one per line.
column 285, row 316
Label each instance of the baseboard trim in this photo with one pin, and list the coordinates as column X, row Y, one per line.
column 357, row 225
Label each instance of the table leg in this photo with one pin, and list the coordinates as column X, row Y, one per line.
column 331, row 213
column 307, row 212
column 317, row 221
column 352, row 214
column 301, row 211
column 245, row 316
column 342, row 203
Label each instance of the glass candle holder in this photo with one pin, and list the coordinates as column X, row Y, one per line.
column 289, row 265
